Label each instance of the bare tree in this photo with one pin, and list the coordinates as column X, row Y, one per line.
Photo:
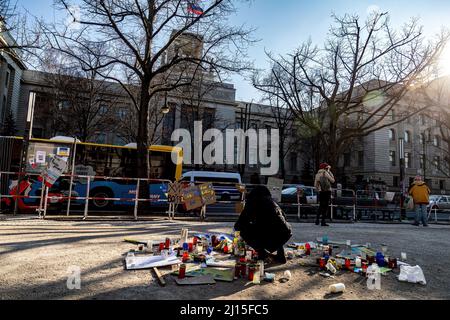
column 79, row 104
column 156, row 45
column 347, row 89
column 437, row 97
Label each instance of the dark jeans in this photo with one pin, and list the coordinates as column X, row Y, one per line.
column 324, row 200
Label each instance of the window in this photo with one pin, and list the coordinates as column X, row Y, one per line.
column 407, row 160
column 407, row 137
column 63, row 105
column 437, row 141
column 122, row 113
column 347, row 159
column 442, row 184
column 392, row 134
column 7, row 80
column 392, row 158
column 395, row 182
column 422, row 138
column 361, row 158
column 393, row 116
column 437, row 162
column 423, row 120
column 103, row 109
column 422, row 161
column 293, row 162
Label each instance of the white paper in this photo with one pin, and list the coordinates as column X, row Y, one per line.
column 40, row 156
column 150, row 262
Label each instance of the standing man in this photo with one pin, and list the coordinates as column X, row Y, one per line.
column 324, row 179
column 421, row 196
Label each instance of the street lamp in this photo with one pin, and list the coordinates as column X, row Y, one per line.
column 165, row 109
column 401, row 142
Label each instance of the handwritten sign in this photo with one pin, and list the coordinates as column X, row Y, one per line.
column 175, row 193
column 208, row 194
column 192, row 198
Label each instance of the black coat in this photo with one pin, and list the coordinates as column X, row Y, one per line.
column 263, row 224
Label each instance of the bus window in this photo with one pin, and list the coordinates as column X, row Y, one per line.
column 162, row 166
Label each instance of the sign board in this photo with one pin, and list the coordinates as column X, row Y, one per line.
column 208, row 194
column 63, row 152
column 275, row 187
column 192, row 198
column 175, row 193
column 54, row 170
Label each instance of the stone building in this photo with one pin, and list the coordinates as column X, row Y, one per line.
column 11, row 69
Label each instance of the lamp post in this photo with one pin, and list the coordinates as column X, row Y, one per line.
column 402, row 178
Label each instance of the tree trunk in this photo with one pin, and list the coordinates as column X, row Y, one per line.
column 143, row 164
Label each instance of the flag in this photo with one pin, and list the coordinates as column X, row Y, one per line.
column 194, row 8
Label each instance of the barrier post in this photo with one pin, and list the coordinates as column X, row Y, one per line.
column 203, row 213
column 354, row 207
column 435, row 215
column 299, row 207
column 136, row 200
column 42, row 197
column 86, row 206
column 45, row 202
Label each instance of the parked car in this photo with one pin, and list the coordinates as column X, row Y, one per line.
column 439, row 202
column 224, row 183
column 308, row 199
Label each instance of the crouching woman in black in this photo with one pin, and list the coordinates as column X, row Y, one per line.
column 263, row 225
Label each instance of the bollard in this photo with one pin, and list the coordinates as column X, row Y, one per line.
column 86, row 206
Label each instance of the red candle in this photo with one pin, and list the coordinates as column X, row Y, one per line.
column 195, row 241
column 185, row 257
column 161, row 247
column 225, row 249
column 322, row 263
column 167, row 243
column 308, row 249
column 182, row 272
column 191, row 247
column 347, row 264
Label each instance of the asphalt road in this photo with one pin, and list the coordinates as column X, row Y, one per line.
column 36, row 255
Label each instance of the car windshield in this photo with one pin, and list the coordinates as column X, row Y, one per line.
column 289, row 191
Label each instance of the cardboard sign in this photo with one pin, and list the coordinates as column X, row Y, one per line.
column 54, row 170
column 275, row 187
column 192, row 198
column 175, row 193
column 208, row 194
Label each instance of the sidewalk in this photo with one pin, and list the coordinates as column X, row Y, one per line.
column 36, row 254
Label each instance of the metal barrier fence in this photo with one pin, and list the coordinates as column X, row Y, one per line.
column 344, row 202
column 44, row 193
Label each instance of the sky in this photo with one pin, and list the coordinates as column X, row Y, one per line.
column 282, row 25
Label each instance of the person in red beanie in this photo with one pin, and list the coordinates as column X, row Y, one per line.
column 323, row 181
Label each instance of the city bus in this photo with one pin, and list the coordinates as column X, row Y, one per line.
column 94, row 160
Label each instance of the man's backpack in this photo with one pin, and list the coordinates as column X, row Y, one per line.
column 325, row 184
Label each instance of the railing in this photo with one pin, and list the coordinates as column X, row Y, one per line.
column 44, row 197
column 353, row 204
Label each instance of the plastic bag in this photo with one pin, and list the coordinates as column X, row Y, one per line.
column 412, row 275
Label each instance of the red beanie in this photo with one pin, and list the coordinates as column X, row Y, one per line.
column 323, row 166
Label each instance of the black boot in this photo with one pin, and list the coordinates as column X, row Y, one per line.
column 281, row 256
